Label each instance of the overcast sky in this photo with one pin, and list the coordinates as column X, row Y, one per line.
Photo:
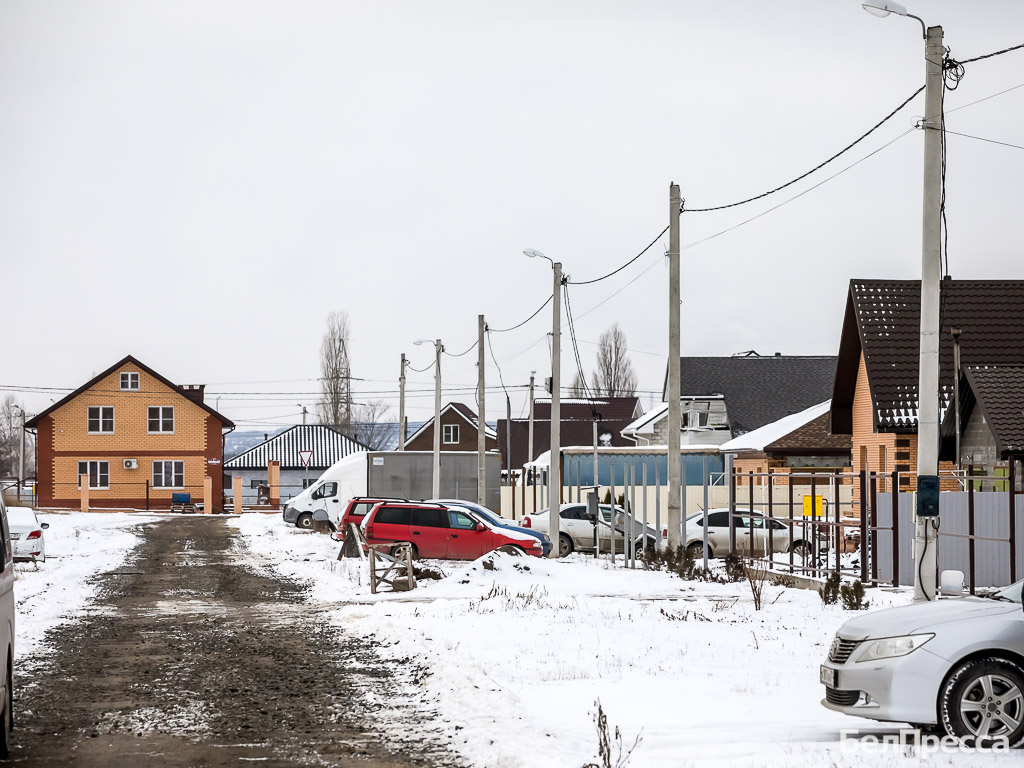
column 200, row 183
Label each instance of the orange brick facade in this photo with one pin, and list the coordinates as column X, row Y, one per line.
column 64, row 440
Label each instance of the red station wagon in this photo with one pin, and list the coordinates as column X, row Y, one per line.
column 435, row 531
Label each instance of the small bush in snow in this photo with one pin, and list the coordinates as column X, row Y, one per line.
column 735, row 570
column 757, row 576
column 853, row 597
column 830, row 591
column 608, row 744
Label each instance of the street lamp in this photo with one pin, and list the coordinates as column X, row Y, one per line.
column 438, row 349
column 927, row 507
column 555, row 468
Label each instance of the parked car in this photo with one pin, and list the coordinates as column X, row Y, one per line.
column 355, row 511
column 6, row 632
column 956, row 663
column 26, row 532
column 745, row 520
column 435, row 531
column 495, row 520
column 576, row 529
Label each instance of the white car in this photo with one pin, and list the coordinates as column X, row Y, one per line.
column 747, row 545
column 26, row 532
column 576, row 529
column 953, row 663
column 6, row 634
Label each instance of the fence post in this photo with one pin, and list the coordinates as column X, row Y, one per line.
column 732, row 510
column 147, row 495
column 750, row 511
column 771, row 517
column 970, row 524
column 864, row 512
column 814, row 525
column 791, row 523
column 895, row 529
column 874, row 529
column 1013, row 524
column 83, row 482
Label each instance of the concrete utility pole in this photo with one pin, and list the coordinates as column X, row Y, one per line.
column 21, row 454
column 529, row 439
column 675, row 510
column 436, row 487
column 926, row 522
column 401, row 406
column 555, row 472
column 481, row 435
column 303, row 415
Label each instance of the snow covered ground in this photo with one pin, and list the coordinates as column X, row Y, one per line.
column 520, row 655
column 78, row 546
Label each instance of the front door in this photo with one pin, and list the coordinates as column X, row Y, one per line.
column 465, row 542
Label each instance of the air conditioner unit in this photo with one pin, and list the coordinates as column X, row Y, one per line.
column 131, row 463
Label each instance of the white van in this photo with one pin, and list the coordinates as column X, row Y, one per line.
column 6, row 632
column 327, row 497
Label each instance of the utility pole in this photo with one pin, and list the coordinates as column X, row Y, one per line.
column 529, row 438
column 401, row 407
column 675, row 509
column 555, row 471
column 436, row 487
column 21, row 454
column 303, row 415
column 926, row 521
column 481, row 435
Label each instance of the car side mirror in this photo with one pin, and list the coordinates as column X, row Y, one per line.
column 951, row 583
column 481, row 527
column 44, row 526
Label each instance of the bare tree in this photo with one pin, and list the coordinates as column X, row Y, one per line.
column 335, row 406
column 577, row 389
column 371, row 424
column 10, row 438
column 614, row 375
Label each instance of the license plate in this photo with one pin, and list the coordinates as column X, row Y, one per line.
column 15, row 536
column 829, row 676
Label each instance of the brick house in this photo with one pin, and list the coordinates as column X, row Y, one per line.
column 875, row 395
column 137, row 436
column 459, row 425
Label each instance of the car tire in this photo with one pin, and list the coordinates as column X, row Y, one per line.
column 696, row 550
column 415, row 552
column 976, row 696
column 801, row 550
column 7, row 726
column 565, row 545
column 304, row 521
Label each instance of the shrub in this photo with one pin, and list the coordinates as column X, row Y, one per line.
column 734, row 568
column 853, row 597
column 830, row 591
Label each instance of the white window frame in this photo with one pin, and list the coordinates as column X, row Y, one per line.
column 88, row 471
column 163, row 473
column 160, row 420
column 130, row 388
column 101, row 430
column 454, row 433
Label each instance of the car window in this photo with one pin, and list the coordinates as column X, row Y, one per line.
column 393, row 515
column 361, row 509
column 5, row 533
column 429, row 518
column 325, row 491
column 461, row 520
column 778, row 526
column 570, row 513
column 746, row 521
column 718, row 520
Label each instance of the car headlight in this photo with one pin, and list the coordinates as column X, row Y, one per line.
column 891, row 647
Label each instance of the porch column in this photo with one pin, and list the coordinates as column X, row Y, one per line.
column 83, row 482
column 274, row 481
column 236, row 492
column 208, row 495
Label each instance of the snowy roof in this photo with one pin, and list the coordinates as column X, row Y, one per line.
column 645, row 424
column 758, row 439
column 327, row 444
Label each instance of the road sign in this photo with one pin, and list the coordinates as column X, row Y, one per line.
column 306, row 457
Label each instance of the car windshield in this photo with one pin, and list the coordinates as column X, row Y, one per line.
column 1011, row 593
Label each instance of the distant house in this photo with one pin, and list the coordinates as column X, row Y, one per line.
column 137, row 436
column 459, row 425
column 577, row 426
column 322, row 445
column 875, row 396
column 725, row 397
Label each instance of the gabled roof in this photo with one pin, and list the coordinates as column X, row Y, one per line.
column 187, row 394
column 804, row 433
column 468, row 415
column 645, row 424
column 759, row 390
column 583, row 408
column 883, row 320
column 327, row 444
column 1000, row 394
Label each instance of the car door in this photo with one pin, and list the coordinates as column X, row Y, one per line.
column 325, row 499
column 718, row 532
column 429, row 531
column 6, row 602
column 465, row 542
column 389, row 523
column 575, row 522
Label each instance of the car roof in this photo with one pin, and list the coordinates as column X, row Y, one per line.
column 23, row 515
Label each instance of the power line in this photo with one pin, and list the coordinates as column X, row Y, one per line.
column 460, row 354
column 994, row 53
column 490, row 346
column 979, row 138
column 520, row 325
column 972, row 103
column 616, row 271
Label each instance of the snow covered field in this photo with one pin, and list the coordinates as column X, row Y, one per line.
column 78, row 546
column 520, row 654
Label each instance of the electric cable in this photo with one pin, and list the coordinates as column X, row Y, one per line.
column 619, row 269
column 520, row 325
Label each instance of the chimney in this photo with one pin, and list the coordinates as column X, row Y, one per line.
column 778, row 354
column 193, row 392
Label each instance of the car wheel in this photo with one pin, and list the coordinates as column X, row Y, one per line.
column 304, row 521
column 512, row 549
column 801, row 550
column 412, row 547
column 696, row 550
column 565, row 545
column 983, row 700
column 8, row 720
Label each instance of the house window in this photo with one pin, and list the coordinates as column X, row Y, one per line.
column 98, row 472
column 101, row 419
column 130, row 382
column 308, row 481
column 450, row 434
column 161, row 419
column 168, row 474
column 255, row 484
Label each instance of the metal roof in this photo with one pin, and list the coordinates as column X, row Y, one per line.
column 327, row 444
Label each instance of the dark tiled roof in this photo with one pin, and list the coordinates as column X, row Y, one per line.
column 610, row 408
column 1000, row 393
column 759, row 390
column 883, row 320
column 574, row 431
column 812, row 439
column 328, row 446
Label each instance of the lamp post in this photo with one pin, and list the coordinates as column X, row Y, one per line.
column 926, row 521
column 438, row 349
column 555, row 468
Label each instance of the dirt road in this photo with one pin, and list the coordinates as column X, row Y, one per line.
column 191, row 659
